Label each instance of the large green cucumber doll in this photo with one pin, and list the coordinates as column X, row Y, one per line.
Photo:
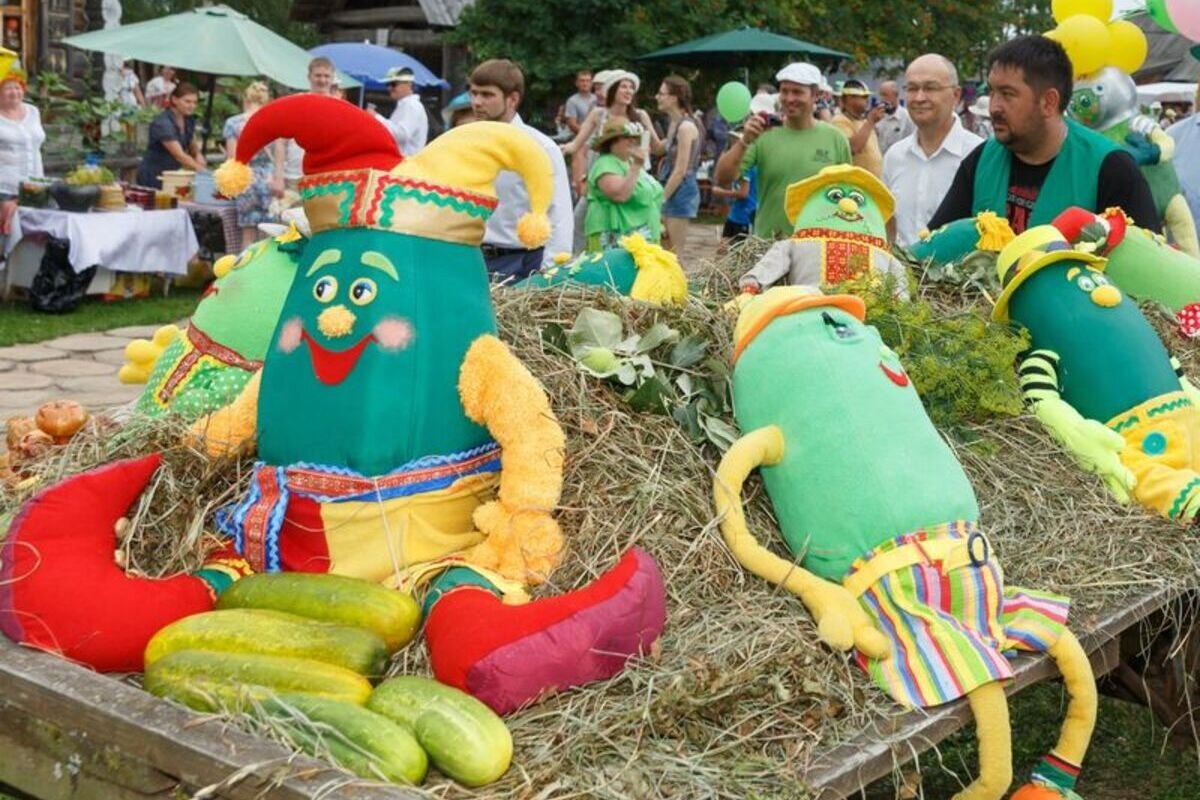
column 206, row 366
column 400, row 441
column 1097, row 374
column 897, row 569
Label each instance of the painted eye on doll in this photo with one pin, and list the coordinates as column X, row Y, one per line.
column 834, row 195
column 840, row 331
column 325, row 289
column 362, row 291
column 1086, row 283
column 858, row 197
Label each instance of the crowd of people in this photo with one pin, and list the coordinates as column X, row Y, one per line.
column 944, row 151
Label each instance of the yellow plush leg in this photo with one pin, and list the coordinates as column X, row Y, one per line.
column 990, row 708
column 841, row 621
column 231, row 429
column 523, row 542
column 1077, row 675
column 1179, row 222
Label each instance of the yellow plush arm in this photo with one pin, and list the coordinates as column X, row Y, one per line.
column 524, row 542
column 841, row 621
column 231, row 429
column 1166, row 145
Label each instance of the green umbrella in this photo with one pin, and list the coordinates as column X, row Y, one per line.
column 215, row 40
column 732, row 47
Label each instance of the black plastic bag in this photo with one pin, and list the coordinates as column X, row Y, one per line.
column 57, row 288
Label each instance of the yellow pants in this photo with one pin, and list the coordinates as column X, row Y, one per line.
column 1162, row 450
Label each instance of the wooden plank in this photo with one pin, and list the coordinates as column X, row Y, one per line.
column 383, row 17
column 141, row 737
column 847, row 768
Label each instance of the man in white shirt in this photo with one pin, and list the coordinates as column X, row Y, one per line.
column 409, row 123
column 896, row 124
column 920, row 168
column 496, row 90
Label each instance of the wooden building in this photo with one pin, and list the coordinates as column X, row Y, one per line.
column 414, row 26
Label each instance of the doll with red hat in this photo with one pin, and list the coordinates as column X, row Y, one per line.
column 399, row 440
column 1140, row 262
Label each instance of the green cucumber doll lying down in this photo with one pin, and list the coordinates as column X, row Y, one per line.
column 895, row 568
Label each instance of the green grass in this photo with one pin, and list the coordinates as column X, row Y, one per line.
column 1129, row 756
column 19, row 323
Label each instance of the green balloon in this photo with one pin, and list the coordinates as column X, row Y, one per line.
column 733, row 102
column 1158, row 12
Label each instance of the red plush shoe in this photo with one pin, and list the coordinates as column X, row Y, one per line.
column 508, row 656
column 60, row 589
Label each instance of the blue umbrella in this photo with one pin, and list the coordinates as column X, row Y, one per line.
column 369, row 63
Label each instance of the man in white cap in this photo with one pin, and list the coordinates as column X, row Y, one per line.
column 920, row 168
column 409, row 123
column 785, row 150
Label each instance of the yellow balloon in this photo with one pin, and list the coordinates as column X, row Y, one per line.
column 1086, row 40
column 1129, row 46
column 1065, row 9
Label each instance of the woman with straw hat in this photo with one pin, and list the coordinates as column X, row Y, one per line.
column 622, row 197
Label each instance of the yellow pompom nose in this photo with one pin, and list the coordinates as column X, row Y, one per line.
column 336, row 321
column 847, row 206
column 1106, row 296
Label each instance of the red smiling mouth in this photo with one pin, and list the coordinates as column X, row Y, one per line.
column 331, row 367
column 898, row 378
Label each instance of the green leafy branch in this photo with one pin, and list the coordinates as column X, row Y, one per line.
column 658, row 371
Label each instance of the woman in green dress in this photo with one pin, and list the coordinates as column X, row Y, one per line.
column 622, row 197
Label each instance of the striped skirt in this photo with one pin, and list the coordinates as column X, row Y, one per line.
column 953, row 631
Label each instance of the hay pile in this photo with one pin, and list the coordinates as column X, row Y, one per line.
column 741, row 697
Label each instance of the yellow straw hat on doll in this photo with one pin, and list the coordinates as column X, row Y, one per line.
column 799, row 193
column 1035, row 249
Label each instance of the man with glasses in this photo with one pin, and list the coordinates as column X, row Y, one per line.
column 1040, row 163
column 920, row 168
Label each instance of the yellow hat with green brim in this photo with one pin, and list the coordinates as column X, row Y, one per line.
column 1035, row 249
column 799, row 193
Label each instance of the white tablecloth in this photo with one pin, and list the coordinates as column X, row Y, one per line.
column 128, row 241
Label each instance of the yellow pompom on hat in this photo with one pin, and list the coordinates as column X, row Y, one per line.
column 355, row 177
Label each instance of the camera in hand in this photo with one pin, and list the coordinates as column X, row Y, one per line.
column 773, row 120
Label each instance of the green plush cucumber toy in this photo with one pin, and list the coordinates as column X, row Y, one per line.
column 1098, row 376
column 882, row 526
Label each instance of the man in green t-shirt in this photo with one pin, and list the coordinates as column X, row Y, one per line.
column 799, row 148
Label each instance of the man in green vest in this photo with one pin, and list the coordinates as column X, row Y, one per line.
column 1039, row 162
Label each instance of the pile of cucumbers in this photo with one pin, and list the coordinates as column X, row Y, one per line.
column 304, row 649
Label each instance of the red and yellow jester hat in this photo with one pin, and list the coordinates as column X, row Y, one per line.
column 355, row 177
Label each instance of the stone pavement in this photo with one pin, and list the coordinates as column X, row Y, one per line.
column 81, row 367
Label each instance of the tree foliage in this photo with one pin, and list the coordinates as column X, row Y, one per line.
column 273, row 14
column 553, row 38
